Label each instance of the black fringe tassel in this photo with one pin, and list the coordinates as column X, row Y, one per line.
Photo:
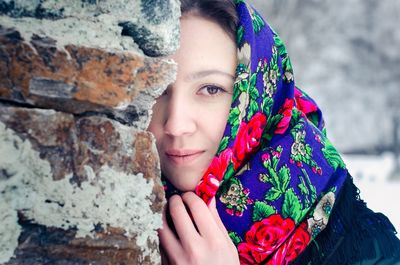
column 354, row 234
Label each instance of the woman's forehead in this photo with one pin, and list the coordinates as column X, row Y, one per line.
column 206, row 73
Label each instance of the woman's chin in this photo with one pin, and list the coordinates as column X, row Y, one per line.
column 184, row 186
column 183, row 179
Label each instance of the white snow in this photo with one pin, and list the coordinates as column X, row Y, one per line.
column 373, row 176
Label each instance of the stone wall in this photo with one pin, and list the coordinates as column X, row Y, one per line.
column 79, row 175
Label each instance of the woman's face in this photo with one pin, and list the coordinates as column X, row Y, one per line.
column 190, row 117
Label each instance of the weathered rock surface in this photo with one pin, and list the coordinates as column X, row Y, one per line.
column 43, row 245
column 91, row 176
column 153, row 24
column 79, row 175
column 77, row 79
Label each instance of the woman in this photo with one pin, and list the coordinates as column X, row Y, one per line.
column 250, row 175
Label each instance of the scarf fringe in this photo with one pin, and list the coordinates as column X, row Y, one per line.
column 354, row 233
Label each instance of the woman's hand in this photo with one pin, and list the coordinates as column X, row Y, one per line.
column 203, row 241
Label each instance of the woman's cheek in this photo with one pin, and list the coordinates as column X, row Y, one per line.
column 215, row 120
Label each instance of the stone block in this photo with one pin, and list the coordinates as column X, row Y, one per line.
column 77, row 79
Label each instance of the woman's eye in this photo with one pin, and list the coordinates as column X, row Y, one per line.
column 211, row 90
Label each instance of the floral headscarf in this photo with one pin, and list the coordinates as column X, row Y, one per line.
column 275, row 175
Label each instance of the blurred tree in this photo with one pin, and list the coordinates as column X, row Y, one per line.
column 345, row 54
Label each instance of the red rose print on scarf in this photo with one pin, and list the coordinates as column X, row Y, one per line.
column 209, row 184
column 248, row 138
column 266, row 240
column 289, row 251
column 286, row 111
column 297, row 242
column 302, row 104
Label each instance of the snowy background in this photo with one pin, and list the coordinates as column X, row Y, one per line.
column 372, row 175
column 346, row 55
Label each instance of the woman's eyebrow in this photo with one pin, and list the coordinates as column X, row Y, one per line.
column 204, row 73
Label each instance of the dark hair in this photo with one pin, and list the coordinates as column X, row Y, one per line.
column 222, row 12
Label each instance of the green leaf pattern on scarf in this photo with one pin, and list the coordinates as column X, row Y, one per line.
column 258, row 22
column 331, row 155
column 279, row 179
column 301, row 152
column 262, row 210
column 235, row 238
column 286, row 63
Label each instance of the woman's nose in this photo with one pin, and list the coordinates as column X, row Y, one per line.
column 181, row 118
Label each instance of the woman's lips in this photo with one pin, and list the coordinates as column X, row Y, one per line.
column 183, row 157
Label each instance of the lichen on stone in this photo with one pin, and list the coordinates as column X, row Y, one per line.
column 108, row 197
column 9, row 231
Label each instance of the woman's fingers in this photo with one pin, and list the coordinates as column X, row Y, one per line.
column 170, row 243
column 210, row 244
column 200, row 213
column 206, row 218
column 214, row 212
column 184, row 227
